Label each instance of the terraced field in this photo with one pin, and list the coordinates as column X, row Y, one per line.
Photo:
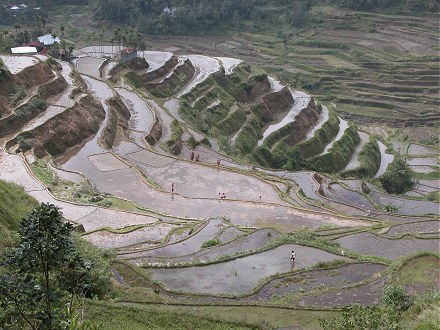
column 184, row 165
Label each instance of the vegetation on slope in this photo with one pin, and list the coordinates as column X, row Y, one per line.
column 369, row 159
column 398, row 177
column 339, row 154
column 204, row 15
column 15, row 203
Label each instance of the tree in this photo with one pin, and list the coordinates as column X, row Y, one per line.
column 44, row 274
column 398, row 177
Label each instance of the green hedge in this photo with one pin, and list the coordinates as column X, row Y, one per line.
column 232, row 122
column 339, row 154
column 322, row 137
column 369, row 159
column 248, row 137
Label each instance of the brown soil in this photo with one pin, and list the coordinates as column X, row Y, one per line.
column 276, row 102
column 20, row 117
column 118, row 116
column 52, row 88
column 34, row 75
column 304, row 121
column 138, row 64
column 155, row 133
column 69, row 128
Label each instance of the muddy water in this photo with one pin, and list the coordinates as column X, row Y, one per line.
column 12, row 169
column 165, row 118
column 307, row 184
column 151, row 234
column 155, row 59
column 89, row 65
column 406, row 206
column 250, row 242
column 240, row 275
column 385, row 159
column 66, row 176
column 422, row 161
column 423, row 169
column 389, row 248
column 189, row 246
column 314, row 279
column 354, row 161
column 229, row 63
column 301, row 101
column 204, row 66
column 194, row 180
column 275, row 85
column 142, row 117
column 15, row 64
column 98, row 50
column 343, row 125
column 352, row 197
column 77, row 158
column 417, row 150
column 418, row 227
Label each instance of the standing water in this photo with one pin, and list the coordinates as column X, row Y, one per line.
column 385, row 159
column 78, row 159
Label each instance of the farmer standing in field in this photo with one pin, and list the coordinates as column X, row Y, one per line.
column 292, row 258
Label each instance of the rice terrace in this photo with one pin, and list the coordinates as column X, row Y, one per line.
column 197, row 149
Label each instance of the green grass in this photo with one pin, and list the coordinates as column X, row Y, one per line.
column 15, row 204
column 133, row 276
column 276, row 317
column 434, row 196
column 111, row 317
column 420, row 272
column 42, row 172
column 122, row 204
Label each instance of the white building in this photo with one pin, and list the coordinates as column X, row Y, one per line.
column 24, row 50
column 49, row 39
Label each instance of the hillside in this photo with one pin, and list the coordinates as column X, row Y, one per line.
column 200, row 164
column 15, row 203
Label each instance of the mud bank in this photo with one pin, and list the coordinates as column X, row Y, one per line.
column 118, row 117
column 70, row 128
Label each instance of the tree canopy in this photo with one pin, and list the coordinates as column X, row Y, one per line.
column 44, row 274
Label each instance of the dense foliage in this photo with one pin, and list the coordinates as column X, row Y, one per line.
column 398, row 177
column 44, row 273
column 201, row 15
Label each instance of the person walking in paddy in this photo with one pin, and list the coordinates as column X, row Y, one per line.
column 293, row 256
column 172, row 187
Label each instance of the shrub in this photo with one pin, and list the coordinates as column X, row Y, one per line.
column 398, row 177
column 212, row 242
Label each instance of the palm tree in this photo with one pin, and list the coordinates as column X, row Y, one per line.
column 17, row 27
column 62, row 28
column 101, row 37
column 93, row 40
column 43, row 22
column 117, row 34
